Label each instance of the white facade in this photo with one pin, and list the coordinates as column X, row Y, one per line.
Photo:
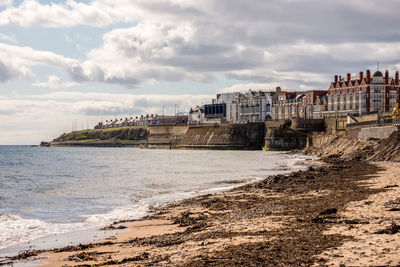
column 252, row 106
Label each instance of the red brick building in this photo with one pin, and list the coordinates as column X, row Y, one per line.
column 363, row 94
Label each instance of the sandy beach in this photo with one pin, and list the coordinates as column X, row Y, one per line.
column 342, row 213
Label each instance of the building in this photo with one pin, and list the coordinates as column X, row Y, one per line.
column 148, row 120
column 362, row 94
column 230, row 108
column 293, row 105
column 196, row 115
column 320, row 107
column 255, row 106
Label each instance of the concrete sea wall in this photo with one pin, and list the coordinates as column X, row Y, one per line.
column 165, row 136
column 290, row 134
column 234, row 136
column 376, row 132
column 98, row 143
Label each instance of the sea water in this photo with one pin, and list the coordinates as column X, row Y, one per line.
column 48, row 191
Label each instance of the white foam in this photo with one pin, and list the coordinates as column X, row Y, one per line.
column 15, row 229
column 118, row 214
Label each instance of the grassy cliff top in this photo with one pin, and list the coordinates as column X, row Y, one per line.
column 120, row 133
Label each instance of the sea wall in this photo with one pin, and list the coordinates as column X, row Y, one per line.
column 334, row 126
column 321, row 139
column 234, row 136
column 98, row 143
column 290, row 134
column 166, row 136
column 308, row 126
column 376, row 132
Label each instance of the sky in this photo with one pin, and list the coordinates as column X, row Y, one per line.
column 68, row 64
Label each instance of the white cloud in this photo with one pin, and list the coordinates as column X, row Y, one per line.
column 242, row 87
column 54, row 82
column 31, row 119
column 176, row 40
column 11, row 70
column 8, row 38
column 70, row 13
column 6, row 3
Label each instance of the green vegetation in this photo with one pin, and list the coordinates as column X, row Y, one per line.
column 120, row 133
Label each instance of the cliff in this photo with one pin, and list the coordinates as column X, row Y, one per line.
column 122, row 136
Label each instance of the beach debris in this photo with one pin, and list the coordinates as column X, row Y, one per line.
column 141, row 257
column 88, row 256
column 112, row 227
column 391, row 186
column 83, row 256
column 393, row 205
column 5, row 261
column 25, row 254
column 185, row 219
column 391, row 230
column 329, row 211
column 81, row 247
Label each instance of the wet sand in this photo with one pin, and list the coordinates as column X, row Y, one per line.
column 318, row 217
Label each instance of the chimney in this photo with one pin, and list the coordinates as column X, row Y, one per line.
column 368, row 76
column 336, row 79
column 386, row 76
column 361, row 75
column 397, row 78
column 348, row 77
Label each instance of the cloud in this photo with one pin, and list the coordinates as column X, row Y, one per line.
column 242, row 87
column 8, row 38
column 101, row 104
column 9, row 71
column 54, row 82
column 296, row 43
column 71, row 13
column 17, row 62
column 32, row 118
column 6, row 3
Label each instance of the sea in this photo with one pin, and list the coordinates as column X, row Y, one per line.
column 46, row 191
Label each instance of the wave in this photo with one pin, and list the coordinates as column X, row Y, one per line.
column 16, row 230
column 21, row 230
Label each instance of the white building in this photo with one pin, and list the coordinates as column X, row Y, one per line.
column 251, row 106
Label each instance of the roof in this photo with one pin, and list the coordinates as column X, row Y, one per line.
column 378, row 74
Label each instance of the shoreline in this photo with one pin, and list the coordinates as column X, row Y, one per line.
column 236, row 226
column 227, row 182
